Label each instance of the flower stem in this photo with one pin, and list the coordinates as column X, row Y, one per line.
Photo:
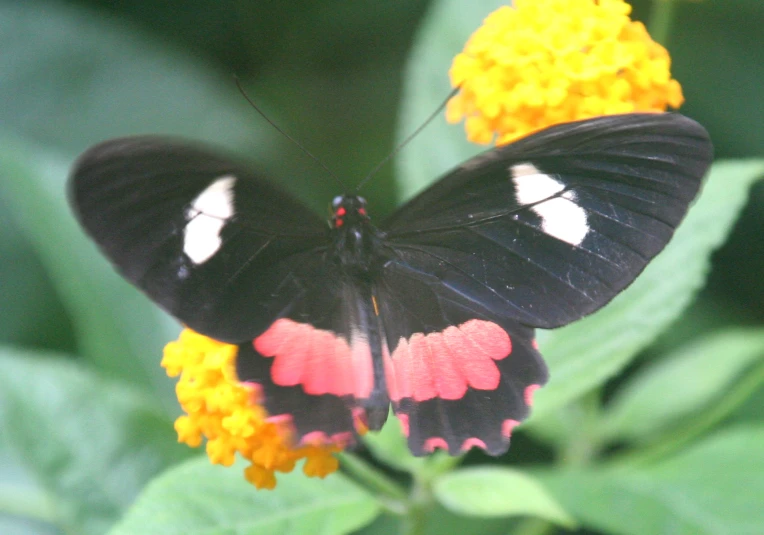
column 661, row 19
column 419, row 502
column 376, row 481
column 584, row 439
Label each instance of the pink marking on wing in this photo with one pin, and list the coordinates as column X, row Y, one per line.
column 528, row 393
column 490, row 337
column 314, row 438
column 343, row 361
column 535, row 344
column 448, row 377
column 270, row 342
column 314, row 380
column 435, row 442
column 325, row 369
column 473, row 443
column 319, row 438
column 319, row 360
column 444, row 364
column 475, row 361
column 391, row 381
column 420, row 364
column 404, row 419
column 342, row 439
column 403, row 371
column 279, row 419
column 362, row 367
column 285, row 340
column 507, row 426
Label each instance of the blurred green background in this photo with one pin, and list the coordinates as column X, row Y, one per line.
column 331, row 73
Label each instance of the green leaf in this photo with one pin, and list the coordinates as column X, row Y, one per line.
column 491, row 492
column 438, row 521
column 198, row 498
column 714, row 488
column 710, row 41
column 30, row 305
column 440, row 146
column 92, row 444
column 25, row 507
column 389, row 446
column 682, row 383
column 588, row 352
column 117, row 328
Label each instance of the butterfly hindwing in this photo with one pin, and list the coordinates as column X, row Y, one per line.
column 315, row 363
column 213, row 243
column 551, row 227
column 458, row 374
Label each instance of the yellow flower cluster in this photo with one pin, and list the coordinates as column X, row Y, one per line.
column 228, row 415
column 544, row 62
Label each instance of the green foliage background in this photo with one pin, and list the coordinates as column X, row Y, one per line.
column 653, row 421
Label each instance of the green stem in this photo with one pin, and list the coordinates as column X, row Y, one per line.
column 661, row 19
column 420, row 502
column 27, row 503
column 584, row 439
column 375, row 480
column 750, row 383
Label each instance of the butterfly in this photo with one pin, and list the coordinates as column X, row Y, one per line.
column 433, row 311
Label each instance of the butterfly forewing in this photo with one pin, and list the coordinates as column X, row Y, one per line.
column 550, row 228
column 209, row 240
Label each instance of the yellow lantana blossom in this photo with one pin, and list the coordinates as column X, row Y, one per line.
column 544, row 62
column 229, row 415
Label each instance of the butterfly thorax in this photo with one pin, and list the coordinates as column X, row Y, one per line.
column 355, row 239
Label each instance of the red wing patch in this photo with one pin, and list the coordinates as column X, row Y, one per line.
column 308, row 418
column 445, row 364
column 481, row 417
column 319, row 360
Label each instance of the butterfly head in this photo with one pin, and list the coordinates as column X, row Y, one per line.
column 348, row 210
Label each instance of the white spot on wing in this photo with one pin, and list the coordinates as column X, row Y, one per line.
column 560, row 216
column 207, row 215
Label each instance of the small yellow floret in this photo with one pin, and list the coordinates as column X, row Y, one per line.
column 544, row 62
column 228, row 414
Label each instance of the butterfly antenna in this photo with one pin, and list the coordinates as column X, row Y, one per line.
column 406, row 141
column 290, row 138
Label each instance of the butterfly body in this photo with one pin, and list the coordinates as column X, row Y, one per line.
column 432, row 311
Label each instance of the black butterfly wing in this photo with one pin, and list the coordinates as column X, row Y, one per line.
column 235, row 259
column 550, row 228
column 214, row 244
column 304, row 362
column 538, row 233
column 458, row 374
